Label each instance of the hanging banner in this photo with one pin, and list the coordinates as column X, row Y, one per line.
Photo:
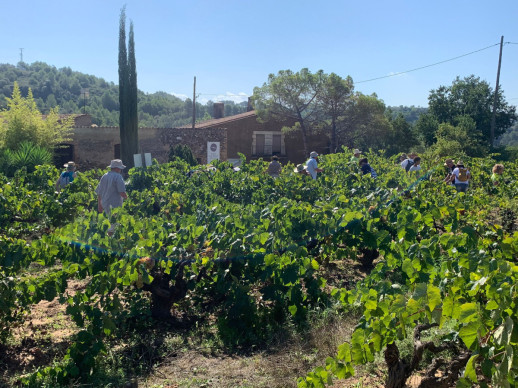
column 212, row 151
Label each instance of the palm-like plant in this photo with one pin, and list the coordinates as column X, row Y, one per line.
column 28, row 155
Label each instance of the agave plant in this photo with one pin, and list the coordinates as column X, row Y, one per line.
column 28, row 155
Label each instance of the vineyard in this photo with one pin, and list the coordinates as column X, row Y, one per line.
column 249, row 255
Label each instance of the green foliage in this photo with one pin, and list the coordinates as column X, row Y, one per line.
column 252, row 250
column 291, row 97
column 27, row 156
column 473, row 98
column 23, row 122
column 410, row 113
column 182, row 152
column 62, row 87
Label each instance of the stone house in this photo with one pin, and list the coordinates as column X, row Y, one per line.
column 246, row 135
column 94, row 146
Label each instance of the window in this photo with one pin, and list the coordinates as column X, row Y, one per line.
column 276, row 145
column 266, row 143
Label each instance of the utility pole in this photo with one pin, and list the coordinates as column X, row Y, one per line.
column 493, row 117
column 194, row 104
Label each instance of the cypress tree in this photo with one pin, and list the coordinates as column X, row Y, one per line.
column 128, row 119
column 132, row 90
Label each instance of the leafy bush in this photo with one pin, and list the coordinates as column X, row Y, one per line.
column 28, row 155
column 183, row 152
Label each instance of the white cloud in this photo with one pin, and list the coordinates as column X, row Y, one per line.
column 179, row 95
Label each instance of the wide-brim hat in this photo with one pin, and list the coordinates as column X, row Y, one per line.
column 450, row 161
column 299, row 168
column 356, row 151
column 70, row 164
column 117, row 163
column 313, row 154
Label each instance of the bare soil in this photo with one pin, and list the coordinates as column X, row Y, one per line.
column 45, row 336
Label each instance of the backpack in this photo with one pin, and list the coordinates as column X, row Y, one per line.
column 409, row 164
column 64, row 179
column 463, row 174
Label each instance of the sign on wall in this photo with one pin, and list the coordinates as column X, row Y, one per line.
column 213, row 151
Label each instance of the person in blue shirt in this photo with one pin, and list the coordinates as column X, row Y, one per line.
column 312, row 165
column 66, row 176
column 366, row 168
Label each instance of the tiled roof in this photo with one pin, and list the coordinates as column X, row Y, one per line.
column 220, row 123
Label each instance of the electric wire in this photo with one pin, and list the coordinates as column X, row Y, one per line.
column 424, row 67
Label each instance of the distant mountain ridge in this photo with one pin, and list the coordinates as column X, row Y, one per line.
column 65, row 88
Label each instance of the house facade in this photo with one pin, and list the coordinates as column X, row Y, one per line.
column 94, row 146
column 254, row 139
column 222, row 137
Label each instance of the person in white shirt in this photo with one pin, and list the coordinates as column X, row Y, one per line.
column 461, row 177
column 312, row 165
column 416, row 166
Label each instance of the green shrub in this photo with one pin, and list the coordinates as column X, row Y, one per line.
column 28, row 155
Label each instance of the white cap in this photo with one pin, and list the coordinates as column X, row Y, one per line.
column 313, row 154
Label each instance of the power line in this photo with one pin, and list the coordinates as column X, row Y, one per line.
column 385, row 76
column 424, row 67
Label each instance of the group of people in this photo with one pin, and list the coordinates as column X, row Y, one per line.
column 111, row 190
column 310, row 168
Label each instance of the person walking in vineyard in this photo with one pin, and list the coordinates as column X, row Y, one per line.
column 496, row 177
column 301, row 169
column 312, row 165
column 449, row 164
column 66, row 176
column 274, row 168
column 356, row 156
column 461, row 177
column 416, row 166
column 111, row 190
column 407, row 161
column 366, row 168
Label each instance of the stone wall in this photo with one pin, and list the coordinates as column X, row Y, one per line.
column 96, row 146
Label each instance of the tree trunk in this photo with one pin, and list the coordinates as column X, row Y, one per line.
column 399, row 370
column 303, row 132
column 333, row 137
column 164, row 294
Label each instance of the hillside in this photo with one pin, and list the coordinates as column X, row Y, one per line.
column 63, row 87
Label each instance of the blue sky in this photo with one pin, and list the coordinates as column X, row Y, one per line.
column 232, row 45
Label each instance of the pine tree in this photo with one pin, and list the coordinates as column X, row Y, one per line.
column 128, row 119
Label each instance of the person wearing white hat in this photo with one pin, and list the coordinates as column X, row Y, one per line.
column 312, row 165
column 67, row 176
column 111, row 190
column 356, row 156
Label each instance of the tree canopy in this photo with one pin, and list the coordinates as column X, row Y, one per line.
column 23, row 122
column 52, row 87
column 291, row 96
column 474, row 98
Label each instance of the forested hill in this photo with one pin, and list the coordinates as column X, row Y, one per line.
column 63, row 87
column 410, row 113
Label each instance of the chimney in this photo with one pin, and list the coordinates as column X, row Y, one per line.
column 219, row 110
column 249, row 107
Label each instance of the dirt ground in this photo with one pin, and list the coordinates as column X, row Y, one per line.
column 44, row 338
